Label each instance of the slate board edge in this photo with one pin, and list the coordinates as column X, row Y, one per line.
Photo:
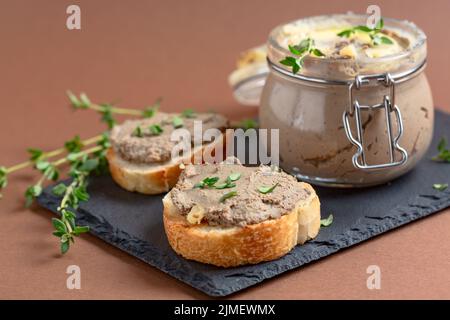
column 397, row 217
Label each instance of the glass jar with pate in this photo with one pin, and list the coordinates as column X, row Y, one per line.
column 356, row 112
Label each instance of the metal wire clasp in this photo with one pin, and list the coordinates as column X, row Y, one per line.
column 388, row 104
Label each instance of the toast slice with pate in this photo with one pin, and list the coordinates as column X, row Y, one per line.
column 229, row 215
column 140, row 158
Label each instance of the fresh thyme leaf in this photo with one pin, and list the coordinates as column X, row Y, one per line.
column 177, row 122
column 346, row 33
column 380, row 24
column 295, row 50
column 228, row 196
column 289, row 61
column 296, row 68
column 41, row 165
column 65, row 246
column 58, row 234
column 51, row 173
column 88, row 165
column 85, row 102
column 188, row 113
column 79, row 230
column 326, row 222
column 81, row 193
column 440, row 186
column 107, row 115
column 35, row 154
column 444, row 153
column 76, row 103
column 363, row 28
column 265, row 189
column 207, row 182
column 59, row 225
column 31, row 193
column 3, row 177
column 228, row 183
column 137, row 132
column 155, row 129
column 59, row 189
column 74, row 145
column 442, row 144
column 386, row 40
column 318, row 53
column 151, row 111
column 225, row 185
column 72, row 157
column 303, row 46
column 234, row 176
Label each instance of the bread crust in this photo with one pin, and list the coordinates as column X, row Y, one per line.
column 234, row 246
column 152, row 179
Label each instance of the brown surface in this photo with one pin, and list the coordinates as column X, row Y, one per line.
column 135, row 51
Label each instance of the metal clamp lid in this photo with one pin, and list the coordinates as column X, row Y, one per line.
column 389, row 106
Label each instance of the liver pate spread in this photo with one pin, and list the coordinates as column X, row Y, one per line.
column 149, row 147
column 248, row 206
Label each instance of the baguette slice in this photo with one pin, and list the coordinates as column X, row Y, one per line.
column 234, row 246
column 153, row 178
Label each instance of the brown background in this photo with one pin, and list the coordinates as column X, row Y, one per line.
column 133, row 52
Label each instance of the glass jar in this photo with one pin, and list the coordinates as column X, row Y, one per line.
column 347, row 122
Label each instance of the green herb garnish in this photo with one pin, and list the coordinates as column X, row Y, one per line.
column 3, row 178
column 374, row 33
column 81, row 102
column 31, row 193
column 59, row 189
column 229, row 181
column 326, row 222
column 304, row 48
column 440, row 186
column 83, row 163
column 234, row 176
column 74, row 145
column 444, row 153
column 155, row 129
column 228, row 196
column 138, row 132
column 225, row 185
column 48, row 169
column 188, row 113
column 207, row 182
column 35, row 154
column 149, row 112
column 265, row 189
column 107, row 115
column 248, row 124
column 177, row 122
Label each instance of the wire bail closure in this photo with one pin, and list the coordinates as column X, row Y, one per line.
column 389, row 106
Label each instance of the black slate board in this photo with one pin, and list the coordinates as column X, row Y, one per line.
column 133, row 222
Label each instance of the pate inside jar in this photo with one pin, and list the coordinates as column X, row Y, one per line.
column 359, row 114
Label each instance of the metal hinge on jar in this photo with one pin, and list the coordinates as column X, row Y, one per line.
column 388, row 104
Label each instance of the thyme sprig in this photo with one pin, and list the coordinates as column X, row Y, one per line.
column 83, row 162
column 107, row 110
column 374, row 33
column 75, row 193
column 305, row 48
